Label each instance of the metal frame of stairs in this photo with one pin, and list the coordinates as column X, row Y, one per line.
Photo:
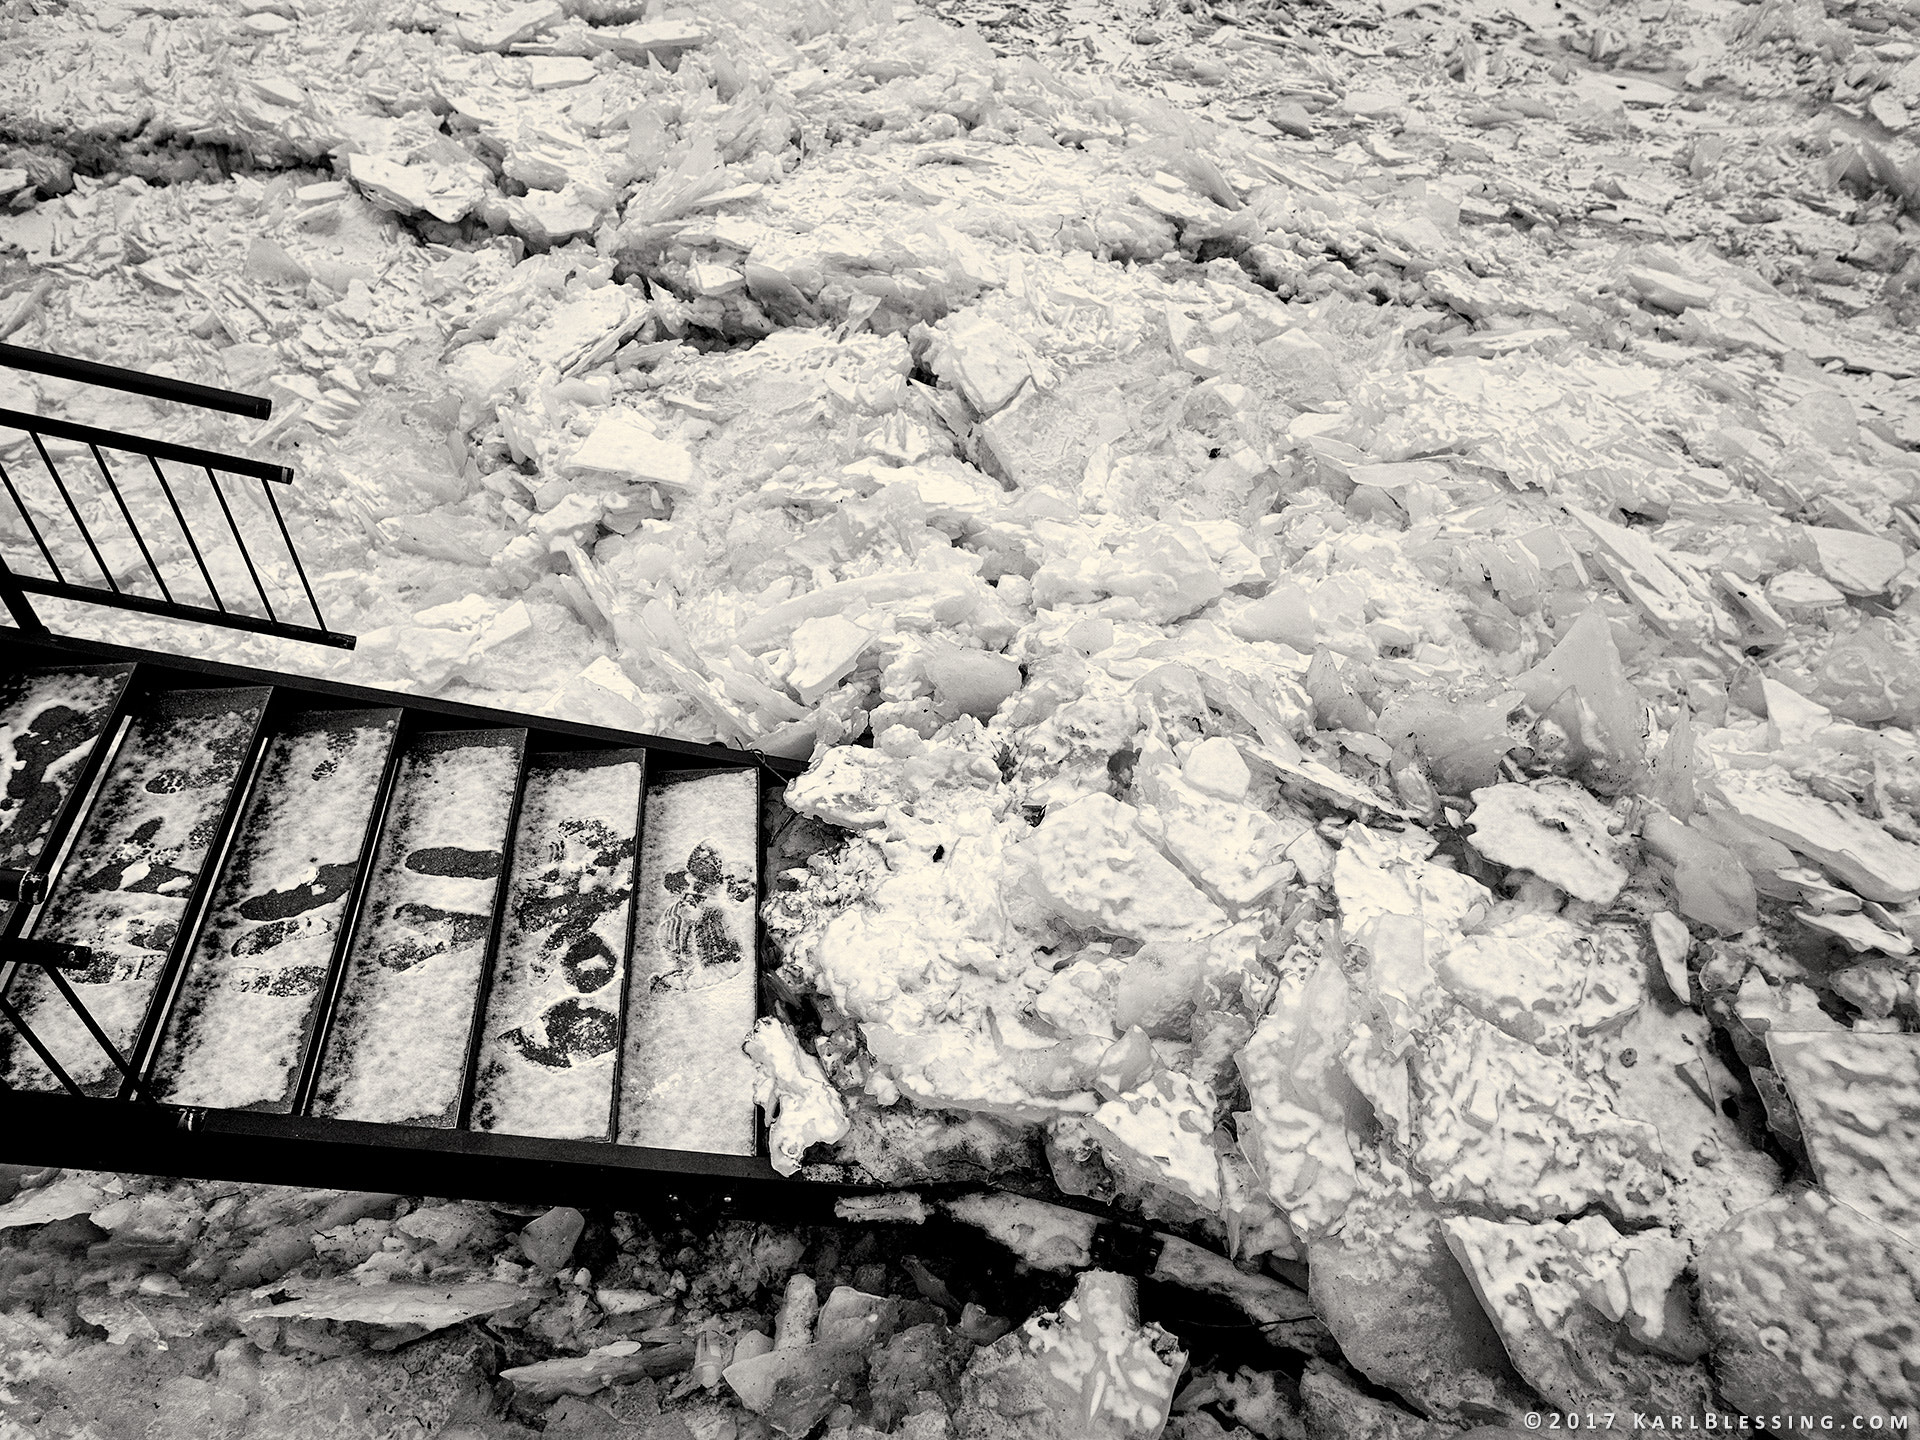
column 130, row 1130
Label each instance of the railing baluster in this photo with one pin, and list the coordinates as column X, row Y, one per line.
column 32, row 529
column 293, row 555
column 19, row 1023
column 127, row 515
column 16, row 586
column 186, row 533
column 221, row 496
column 73, row 510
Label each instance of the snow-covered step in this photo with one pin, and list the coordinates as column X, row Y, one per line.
column 49, row 722
column 692, row 991
column 237, row 1034
column 130, row 876
column 549, row 1046
column 396, row 1048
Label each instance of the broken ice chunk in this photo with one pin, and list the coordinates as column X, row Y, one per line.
column 1160, row 1135
column 1857, row 1097
column 1583, row 687
column 418, row 1307
column 623, row 447
column 1499, row 1123
column 1230, row 848
column 74, row 1192
column 1794, row 1294
column 1282, row 614
column 1534, row 975
column 1665, row 290
column 1303, row 1110
column 1094, row 865
column 970, row 682
column 512, row 27
column 1672, row 942
column 791, row 1087
column 1215, row 767
column 1858, row 932
column 1858, row 564
column 1556, row 830
column 1531, row 1278
column 1711, row 883
column 1092, row 1364
column 558, row 72
column 1847, row 845
column 1801, row 589
column 985, row 360
column 1792, row 719
column 685, row 1082
column 1050, row 1237
column 390, row 184
column 825, row 650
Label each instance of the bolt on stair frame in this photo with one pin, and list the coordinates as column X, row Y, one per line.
column 16, row 586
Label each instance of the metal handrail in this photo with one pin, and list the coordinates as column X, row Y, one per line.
column 135, row 382
column 16, row 586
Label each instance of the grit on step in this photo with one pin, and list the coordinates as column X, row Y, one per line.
column 686, row 1084
column 549, row 1048
column 251, row 992
column 397, row 1050
column 133, row 869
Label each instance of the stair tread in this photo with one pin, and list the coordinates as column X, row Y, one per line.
column 693, row 986
column 130, row 876
column 247, row 1002
column 549, row 1046
column 49, row 721
column 397, row 1051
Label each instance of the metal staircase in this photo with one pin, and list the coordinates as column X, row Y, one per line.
column 268, row 928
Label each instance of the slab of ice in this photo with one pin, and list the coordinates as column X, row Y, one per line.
column 686, row 1084
column 238, row 1032
column 802, row 1106
column 1857, row 1097
column 547, row 1052
column 397, row 1051
column 134, row 865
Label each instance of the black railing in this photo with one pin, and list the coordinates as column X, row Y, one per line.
column 83, row 545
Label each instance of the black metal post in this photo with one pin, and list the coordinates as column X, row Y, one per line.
column 17, row 603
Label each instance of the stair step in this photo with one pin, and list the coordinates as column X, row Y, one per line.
column 548, row 1049
column 49, row 721
column 131, row 876
column 396, row 1052
column 692, row 987
column 250, row 993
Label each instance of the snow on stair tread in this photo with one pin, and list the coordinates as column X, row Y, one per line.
column 397, row 1051
column 248, row 1001
column 548, row 1049
column 129, row 876
column 49, row 720
column 685, row 1083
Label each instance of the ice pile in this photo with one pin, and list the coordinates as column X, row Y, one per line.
column 1350, row 599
